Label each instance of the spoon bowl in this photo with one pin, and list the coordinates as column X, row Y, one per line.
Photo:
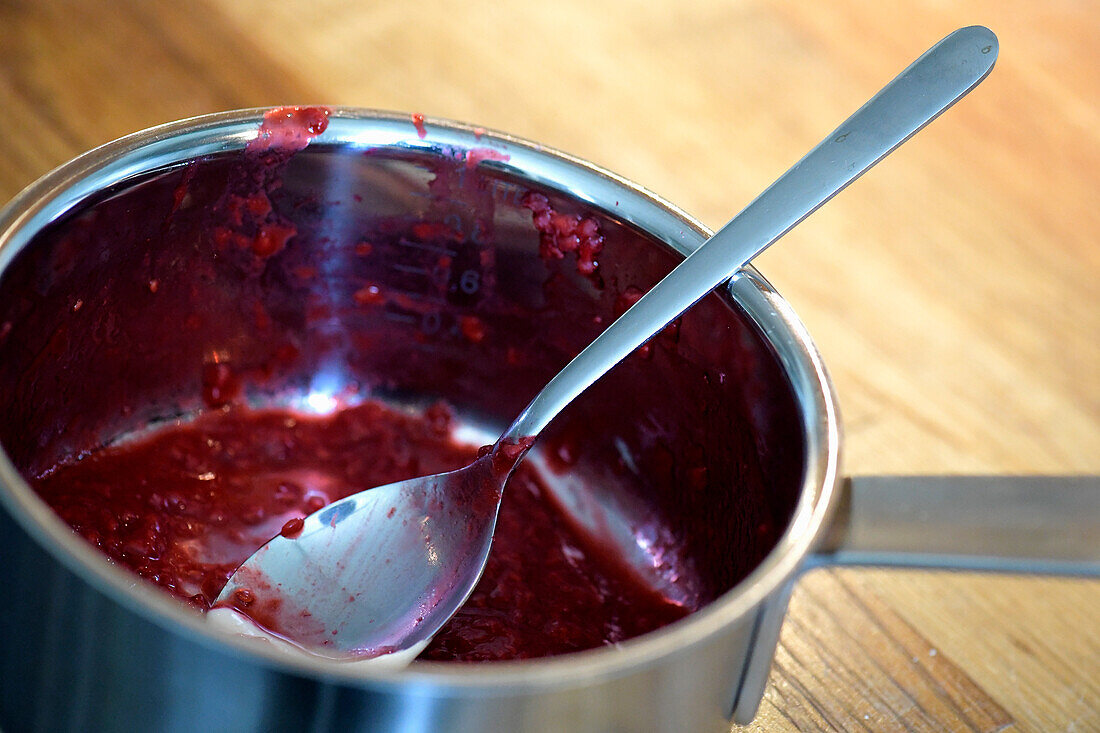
column 426, row 536
column 381, row 571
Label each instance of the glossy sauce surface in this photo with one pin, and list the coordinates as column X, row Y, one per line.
column 184, row 505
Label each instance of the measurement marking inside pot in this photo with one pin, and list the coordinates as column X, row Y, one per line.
column 422, row 297
column 427, row 247
column 413, row 269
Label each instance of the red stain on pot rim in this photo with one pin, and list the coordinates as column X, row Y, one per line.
column 289, row 129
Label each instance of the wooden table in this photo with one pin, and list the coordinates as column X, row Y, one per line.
column 954, row 291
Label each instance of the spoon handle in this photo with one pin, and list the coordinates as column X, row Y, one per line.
column 931, row 84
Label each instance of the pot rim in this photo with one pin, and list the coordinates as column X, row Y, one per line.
column 66, row 186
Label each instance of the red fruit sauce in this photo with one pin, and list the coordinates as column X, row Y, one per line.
column 418, row 123
column 289, row 128
column 183, row 506
column 560, row 233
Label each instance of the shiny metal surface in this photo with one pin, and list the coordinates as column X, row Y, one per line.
column 1020, row 524
column 386, row 568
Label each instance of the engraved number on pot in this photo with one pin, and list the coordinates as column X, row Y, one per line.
column 469, row 281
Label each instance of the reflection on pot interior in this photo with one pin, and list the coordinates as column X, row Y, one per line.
column 203, row 355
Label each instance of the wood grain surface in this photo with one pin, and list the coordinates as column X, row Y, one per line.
column 954, row 291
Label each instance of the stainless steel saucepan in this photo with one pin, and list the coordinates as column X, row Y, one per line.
column 113, row 294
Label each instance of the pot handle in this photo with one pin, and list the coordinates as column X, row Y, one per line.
column 1015, row 524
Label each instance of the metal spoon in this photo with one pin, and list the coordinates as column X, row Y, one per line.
column 378, row 573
